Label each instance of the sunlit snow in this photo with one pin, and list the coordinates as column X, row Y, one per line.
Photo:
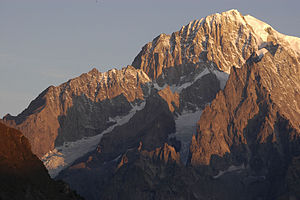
column 261, row 52
column 261, row 29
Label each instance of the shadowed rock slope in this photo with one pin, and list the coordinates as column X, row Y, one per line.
column 89, row 174
column 22, row 174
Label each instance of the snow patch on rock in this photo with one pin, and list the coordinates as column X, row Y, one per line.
column 222, row 76
column 261, row 28
column 186, row 125
column 179, row 87
column 231, row 168
column 63, row 156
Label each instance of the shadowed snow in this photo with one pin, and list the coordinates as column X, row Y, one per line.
column 62, row 156
column 186, row 125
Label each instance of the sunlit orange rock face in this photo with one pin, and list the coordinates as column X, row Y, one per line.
column 171, row 98
column 22, row 174
column 89, row 99
column 16, row 154
column 214, row 38
column 251, row 110
column 166, row 153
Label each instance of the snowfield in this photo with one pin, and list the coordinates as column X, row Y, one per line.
column 186, row 125
column 63, row 156
column 260, row 28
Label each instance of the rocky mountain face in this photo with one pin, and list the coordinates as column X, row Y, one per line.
column 136, row 174
column 79, row 108
column 151, row 129
column 62, row 117
column 149, row 170
column 265, row 93
column 214, row 38
column 22, row 174
column 254, row 122
column 127, row 134
column 246, row 147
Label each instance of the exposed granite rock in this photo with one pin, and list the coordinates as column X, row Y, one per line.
column 150, row 127
column 254, row 122
column 210, row 45
column 195, row 84
column 80, row 107
column 148, row 175
column 136, row 174
column 171, row 98
column 243, row 151
column 225, row 39
column 263, row 93
column 89, row 118
column 166, row 153
column 247, row 145
column 22, row 174
column 200, row 93
column 246, row 139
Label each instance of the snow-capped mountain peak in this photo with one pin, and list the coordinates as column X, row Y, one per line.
column 227, row 39
column 264, row 30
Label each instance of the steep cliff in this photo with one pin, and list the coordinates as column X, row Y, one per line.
column 125, row 134
column 89, row 174
column 80, row 107
column 22, row 174
column 225, row 39
column 247, row 136
column 254, row 122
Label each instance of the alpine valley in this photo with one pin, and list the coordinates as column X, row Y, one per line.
column 210, row 112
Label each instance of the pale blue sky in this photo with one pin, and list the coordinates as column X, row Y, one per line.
column 47, row 42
